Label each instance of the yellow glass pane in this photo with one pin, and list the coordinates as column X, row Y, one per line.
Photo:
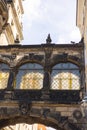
column 65, row 81
column 65, row 75
column 32, row 81
column 3, row 79
column 65, row 84
column 75, row 84
column 55, row 84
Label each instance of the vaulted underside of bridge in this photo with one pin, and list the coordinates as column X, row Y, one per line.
column 42, row 84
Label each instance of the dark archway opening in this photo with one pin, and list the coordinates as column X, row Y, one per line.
column 28, row 121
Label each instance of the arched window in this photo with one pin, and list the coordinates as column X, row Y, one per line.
column 30, row 76
column 4, row 75
column 65, row 76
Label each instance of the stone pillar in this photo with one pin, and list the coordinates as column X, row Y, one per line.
column 11, row 79
column 47, row 79
column 46, row 83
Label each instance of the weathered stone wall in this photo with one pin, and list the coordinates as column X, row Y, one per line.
column 59, row 109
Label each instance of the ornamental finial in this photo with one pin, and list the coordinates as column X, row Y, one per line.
column 48, row 40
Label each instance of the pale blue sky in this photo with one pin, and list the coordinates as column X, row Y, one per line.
column 57, row 17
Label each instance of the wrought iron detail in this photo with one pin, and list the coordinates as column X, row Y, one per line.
column 65, row 76
column 30, row 76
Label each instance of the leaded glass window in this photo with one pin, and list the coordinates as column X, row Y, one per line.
column 4, row 75
column 65, row 76
column 30, row 76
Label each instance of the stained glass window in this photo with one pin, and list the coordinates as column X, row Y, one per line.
column 4, row 75
column 30, row 76
column 65, row 76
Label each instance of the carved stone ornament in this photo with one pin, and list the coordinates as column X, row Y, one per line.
column 48, row 40
column 25, row 108
column 31, row 56
column 77, row 114
column 45, row 112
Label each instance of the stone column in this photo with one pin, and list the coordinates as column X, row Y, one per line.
column 11, row 79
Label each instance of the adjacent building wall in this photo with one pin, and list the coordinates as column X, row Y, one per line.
column 13, row 29
column 81, row 22
column 3, row 14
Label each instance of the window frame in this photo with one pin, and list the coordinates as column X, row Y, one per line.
column 28, row 71
column 70, row 71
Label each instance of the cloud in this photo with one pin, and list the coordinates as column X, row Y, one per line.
column 55, row 17
column 75, row 34
column 72, row 35
column 31, row 8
